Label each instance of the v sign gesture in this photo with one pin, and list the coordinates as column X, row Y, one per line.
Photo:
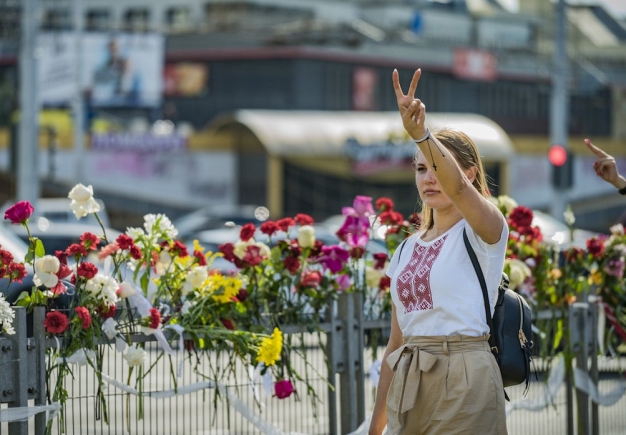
column 605, row 167
column 412, row 111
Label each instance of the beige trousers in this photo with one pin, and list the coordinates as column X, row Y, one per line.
column 445, row 385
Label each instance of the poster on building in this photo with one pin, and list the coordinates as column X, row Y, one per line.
column 185, row 79
column 116, row 70
column 364, row 83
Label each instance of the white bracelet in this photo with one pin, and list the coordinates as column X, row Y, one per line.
column 426, row 136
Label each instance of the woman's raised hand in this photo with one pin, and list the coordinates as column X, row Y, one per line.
column 605, row 165
column 412, row 111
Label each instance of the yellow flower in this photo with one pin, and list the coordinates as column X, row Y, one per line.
column 222, row 288
column 595, row 278
column 270, row 349
column 197, row 246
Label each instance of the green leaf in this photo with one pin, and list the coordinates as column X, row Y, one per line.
column 559, row 334
column 23, row 300
column 39, row 249
column 29, row 257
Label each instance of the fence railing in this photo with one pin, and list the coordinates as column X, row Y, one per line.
column 336, row 365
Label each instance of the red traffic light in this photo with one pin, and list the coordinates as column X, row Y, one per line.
column 557, row 155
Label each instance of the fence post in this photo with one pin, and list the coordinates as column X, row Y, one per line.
column 347, row 376
column 593, row 320
column 334, row 350
column 359, row 360
column 578, row 327
column 15, row 390
column 38, row 376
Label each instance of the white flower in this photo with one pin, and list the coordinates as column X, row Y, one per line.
column 104, row 288
column 195, row 279
column 45, row 271
column 617, row 230
column 135, row 356
column 184, row 310
column 134, row 233
column 240, row 247
column 109, row 327
column 569, row 217
column 6, row 316
column 159, row 224
column 126, row 289
column 83, row 202
column 164, row 262
column 81, row 357
column 306, row 236
column 518, row 272
column 264, row 250
column 507, row 203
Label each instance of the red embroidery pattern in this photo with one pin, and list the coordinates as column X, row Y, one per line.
column 414, row 280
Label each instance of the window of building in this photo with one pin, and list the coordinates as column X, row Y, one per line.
column 137, row 19
column 98, row 19
column 57, row 19
column 178, row 19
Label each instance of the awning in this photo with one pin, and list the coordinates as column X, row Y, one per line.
column 326, row 133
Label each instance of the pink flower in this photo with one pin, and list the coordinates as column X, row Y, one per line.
column 362, row 206
column 343, row 282
column 615, row 267
column 355, row 231
column 310, row 279
column 283, row 389
column 334, row 257
column 19, row 213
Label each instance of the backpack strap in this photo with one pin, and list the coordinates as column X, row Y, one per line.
column 483, row 286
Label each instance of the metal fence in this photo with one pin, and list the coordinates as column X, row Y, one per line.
column 250, row 409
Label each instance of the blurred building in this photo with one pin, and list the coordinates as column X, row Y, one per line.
column 487, row 57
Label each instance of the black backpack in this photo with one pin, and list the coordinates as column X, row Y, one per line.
column 510, row 327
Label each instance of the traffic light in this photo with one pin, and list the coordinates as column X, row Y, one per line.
column 562, row 162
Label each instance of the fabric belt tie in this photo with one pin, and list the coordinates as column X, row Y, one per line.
column 411, row 361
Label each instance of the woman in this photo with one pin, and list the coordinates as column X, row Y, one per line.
column 440, row 376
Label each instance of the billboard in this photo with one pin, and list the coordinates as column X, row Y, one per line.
column 115, row 70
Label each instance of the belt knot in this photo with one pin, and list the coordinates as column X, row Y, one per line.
column 409, row 361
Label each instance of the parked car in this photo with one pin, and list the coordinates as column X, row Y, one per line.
column 218, row 216
column 558, row 233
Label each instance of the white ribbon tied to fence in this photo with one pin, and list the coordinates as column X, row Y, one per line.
column 24, row 413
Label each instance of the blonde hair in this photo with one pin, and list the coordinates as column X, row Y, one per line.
column 467, row 155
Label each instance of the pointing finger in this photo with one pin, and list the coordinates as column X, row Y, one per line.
column 594, row 149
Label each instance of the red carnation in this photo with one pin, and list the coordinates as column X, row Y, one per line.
column 228, row 250
column 5, row 257
column 595, row 247
column 106, row 311
column 87, row 270
column 269, row 228
column 247, row 232
column 56, row 322
column 384, row 204
column 64, row 271
column 180, row 249
column 384, row 283
column 228, row 324
column 303, row 219
column 135, row 252
column 521, row 217
column 17, row 272
column 155, row 318
column 76, row 250
column 285, row 223
column 89, row 241
column 61, row 255
column 242, row 295
column 84, row 316
column 199, row 255
column 379, row 260
column 19, row 213
column 253, row 255
column 292, row 264
column 124, row 241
